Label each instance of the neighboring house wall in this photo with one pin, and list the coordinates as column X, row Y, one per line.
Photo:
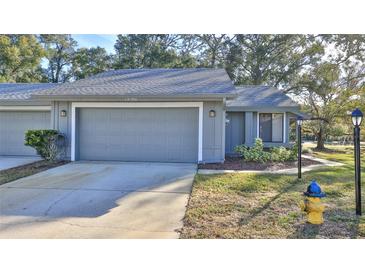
column 213, row 131
column 14, row 124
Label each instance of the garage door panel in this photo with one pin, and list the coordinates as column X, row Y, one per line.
column 14, row 124
column 143, row 134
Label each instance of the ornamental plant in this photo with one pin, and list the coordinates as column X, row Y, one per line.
column 47, row 142
column 256, row 153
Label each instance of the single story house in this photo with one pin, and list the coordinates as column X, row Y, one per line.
column 163, row 115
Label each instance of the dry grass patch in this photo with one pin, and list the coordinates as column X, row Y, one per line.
column 267, row 206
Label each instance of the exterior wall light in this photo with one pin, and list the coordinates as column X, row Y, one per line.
column 63, row 113
column 211, row 113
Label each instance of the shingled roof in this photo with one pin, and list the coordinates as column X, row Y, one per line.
column 260, row 97
column 22, row 91
column 149, row 83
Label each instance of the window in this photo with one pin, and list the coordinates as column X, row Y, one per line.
column 271, row 127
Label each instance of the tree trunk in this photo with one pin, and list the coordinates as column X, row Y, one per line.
column 320, row 139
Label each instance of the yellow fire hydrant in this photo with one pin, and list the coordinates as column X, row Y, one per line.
column 312, row 203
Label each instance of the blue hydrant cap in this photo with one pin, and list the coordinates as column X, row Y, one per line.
column 314, row 190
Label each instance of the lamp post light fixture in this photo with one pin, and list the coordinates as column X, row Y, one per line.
column 356, row 116
column 299, row 133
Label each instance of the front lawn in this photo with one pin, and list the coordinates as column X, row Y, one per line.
column 15, row 173
column 267, row 206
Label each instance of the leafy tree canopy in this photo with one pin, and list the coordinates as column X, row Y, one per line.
column 60, row 50
column 87, row 62
column 271, row 59
column 150, row 51
column 20, row 58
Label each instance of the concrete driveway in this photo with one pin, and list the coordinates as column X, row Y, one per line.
column 14, row 161
column 98, row 200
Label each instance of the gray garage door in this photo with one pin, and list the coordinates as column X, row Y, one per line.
column 13, row 125
column 142, row 134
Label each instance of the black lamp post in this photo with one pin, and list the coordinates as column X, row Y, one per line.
column 299, row 132
column 356, row 116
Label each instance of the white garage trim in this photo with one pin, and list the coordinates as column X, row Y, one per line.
column 25, row 108
column 75, row 105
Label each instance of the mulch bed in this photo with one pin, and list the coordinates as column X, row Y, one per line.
column 236, row 163
column 18, row 172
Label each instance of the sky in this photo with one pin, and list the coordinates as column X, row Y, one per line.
column 106, row 41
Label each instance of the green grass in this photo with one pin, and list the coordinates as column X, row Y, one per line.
column 267, row 206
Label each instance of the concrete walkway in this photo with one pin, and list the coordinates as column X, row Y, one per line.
column 98, row 200
column 14, row 161
column 322, row 163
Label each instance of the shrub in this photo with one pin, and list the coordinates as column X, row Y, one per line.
column 255, row 153
column 48, row 143
column 280, row 154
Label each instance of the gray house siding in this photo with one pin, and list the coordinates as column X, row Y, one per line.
column 213, row 133
column 213, row 130
column 250, row 128
column 62, row 124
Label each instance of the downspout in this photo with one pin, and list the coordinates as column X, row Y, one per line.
column 224, row 130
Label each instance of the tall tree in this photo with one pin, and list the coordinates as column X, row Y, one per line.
column 150, row 51
column 213, row 49
column 90, row 61
column 60, row 49
column 271, row 59
column 20, row 58
column 328, row 89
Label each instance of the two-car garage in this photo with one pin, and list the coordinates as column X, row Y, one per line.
column 13, row 125
column 167, row 134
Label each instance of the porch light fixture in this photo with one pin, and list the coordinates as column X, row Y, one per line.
column 211, row 113
column 63, row 113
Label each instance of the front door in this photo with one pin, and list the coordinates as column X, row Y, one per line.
column 235, row 130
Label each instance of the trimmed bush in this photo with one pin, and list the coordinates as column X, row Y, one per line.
column 257, row 153
column 253, row 154
column 47, row 142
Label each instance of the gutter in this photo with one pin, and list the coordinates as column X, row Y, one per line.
column 133, row 98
